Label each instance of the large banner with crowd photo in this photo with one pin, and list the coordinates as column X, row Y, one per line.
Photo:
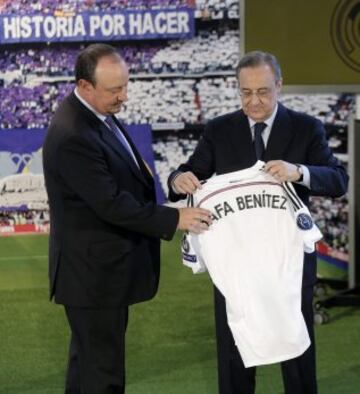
column 103, row 26
column 23, row 199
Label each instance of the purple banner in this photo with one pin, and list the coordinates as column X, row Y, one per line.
column 106, row 26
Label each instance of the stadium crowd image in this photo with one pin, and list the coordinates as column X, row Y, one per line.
column 178, row 207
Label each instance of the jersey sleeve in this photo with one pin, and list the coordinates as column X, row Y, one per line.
column 304, row 222
column 310, row 231
column 190, row 258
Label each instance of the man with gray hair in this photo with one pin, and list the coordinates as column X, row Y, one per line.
column 294, row 148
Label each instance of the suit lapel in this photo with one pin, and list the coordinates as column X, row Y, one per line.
column 112, row 141
column 280, row 136
column 143, row 166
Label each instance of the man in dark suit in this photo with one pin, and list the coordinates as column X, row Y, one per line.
column 294, row 147
column 105, row 225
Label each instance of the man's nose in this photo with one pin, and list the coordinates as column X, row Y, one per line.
column 254, row 99
column 122, row 96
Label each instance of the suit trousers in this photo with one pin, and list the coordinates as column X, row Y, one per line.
column 97, row 350
column 299, row 374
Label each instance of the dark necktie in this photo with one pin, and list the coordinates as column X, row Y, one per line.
column 119, row 135
column 258, row 140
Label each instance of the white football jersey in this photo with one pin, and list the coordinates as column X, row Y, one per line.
column 254, row 253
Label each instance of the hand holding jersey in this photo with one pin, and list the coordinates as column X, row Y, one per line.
column 186, row 183
column 195, row 220
column 283, row 171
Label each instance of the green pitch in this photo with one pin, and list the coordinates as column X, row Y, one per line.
column 170, row 340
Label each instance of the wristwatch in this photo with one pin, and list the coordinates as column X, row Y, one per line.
column 301, row 172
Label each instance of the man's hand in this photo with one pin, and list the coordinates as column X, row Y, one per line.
column 186, row 183
column 196, row 220
column 282, row 170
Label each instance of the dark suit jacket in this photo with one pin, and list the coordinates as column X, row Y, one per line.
column 226, row 146
column 105, row 225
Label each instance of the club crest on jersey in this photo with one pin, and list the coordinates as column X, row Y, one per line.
column 304, row 221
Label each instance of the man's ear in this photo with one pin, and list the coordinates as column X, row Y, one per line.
column 279, row 85
column 85, row 86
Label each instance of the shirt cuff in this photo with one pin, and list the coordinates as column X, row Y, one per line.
column 177, row 173
column 306, row 177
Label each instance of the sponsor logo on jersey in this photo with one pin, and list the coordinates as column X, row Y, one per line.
column 189, row 257
column 304, row 221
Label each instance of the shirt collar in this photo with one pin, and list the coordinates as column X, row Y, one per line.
column 88, row 106
column 269, row 121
